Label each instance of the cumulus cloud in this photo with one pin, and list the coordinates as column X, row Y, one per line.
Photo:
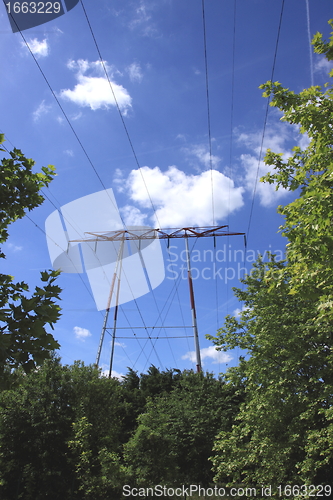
column 81, row 333
column 114, row 374
column 204, row 157
column 323, row 65
column 209, row 352
column 93, row 89
column 237, row 312
column 277, row 138
column 120, row 344
column 142, row 20
column 135, row 73
column 38, row 48
column 41, row 110
column 132, row 216
column 182, row 199
column 14, row 248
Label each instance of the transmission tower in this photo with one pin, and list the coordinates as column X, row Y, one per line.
column 165, row 234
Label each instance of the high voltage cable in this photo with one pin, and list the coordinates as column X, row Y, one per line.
column 42, row 230
column 176, row 293
column 119, row 110
column 208, row 107
column 69, row 122
column 60, row 106
column 210, row 140
column 309, row 39
column 265, row 120
column 231, row 123
column 82, row 280
column 127, row 134
column 159, row 315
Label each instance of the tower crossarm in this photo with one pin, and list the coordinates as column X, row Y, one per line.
column 184, row 232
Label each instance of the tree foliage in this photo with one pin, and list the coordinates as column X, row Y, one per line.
column 288, row 387
column 65, row 431
column 283, row 432
column 308, row 219
column 24, row 340
column 175, row 433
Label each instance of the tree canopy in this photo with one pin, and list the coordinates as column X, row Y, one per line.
column 24, row 340
column 283, row 432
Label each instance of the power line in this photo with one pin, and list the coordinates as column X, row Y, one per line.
column 231, row 124
column 64, row 250
column 309, row 39
column 208, row 107
column 265, row 121
column 119, row 110
column 128, row 137
column 69, row 122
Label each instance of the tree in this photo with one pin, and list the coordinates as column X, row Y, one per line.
column 283, row 433
column 308, row 219
column 60, row 435
column 175, row 433
column 137, row 389
column 24, row 340
column 288, row 387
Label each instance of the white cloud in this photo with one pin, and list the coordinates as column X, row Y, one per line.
column 120, row 344
column 276, row 138
column 114, row 374
column 323, row 65
column 38, row 48
column 142, row 19
column 93, row 90
column 132, row 216
column 237, row 312
column 41, row 110
column 209, row 352
column 81, row 333
column 14, row 248
column 267, row 193
column 69, row 152
column 117, row 375
column 76, row 116
column 135, row 73
column 202, row 154
column 183, row 199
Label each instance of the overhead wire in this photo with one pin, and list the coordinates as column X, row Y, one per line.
column 309, row 40
column 64, row 250
column 125, row 127
column 231, row 130
column 208, row 106
column 210, row 146
column 265, row 121
column 69, row 122
column 119, row 110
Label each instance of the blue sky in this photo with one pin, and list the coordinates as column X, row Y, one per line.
column 154, row 55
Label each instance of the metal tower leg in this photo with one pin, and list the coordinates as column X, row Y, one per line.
column 194, row 317
column 119, row 259
column 114, row 328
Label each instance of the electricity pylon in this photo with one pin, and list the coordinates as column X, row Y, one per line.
column 166, row 234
